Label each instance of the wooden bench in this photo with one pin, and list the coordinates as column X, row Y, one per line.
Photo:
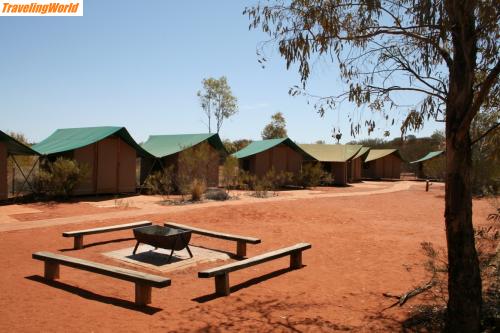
column 221, row 273
column 78, row 234
column 241, row 241
column 143, row 282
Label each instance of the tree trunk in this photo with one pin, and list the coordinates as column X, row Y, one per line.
column 464, row 279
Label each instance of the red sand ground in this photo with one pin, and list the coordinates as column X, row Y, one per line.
column 54, row 210
column 362, row 246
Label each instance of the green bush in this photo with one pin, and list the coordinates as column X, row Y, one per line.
column 311, row 175
column 261, row 188
column 277, row 179
column 161, row 182
column 60, row 178
column 246, row 180
column 194, row 166
column 230, row 172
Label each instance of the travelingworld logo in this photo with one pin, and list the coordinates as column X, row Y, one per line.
column 41, row 8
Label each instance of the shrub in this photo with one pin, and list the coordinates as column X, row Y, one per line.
column 247, row 180
column 311, row 175
column 198, row 187
column 261, row 188
column 61, row 177
column 161, row 182
column 195, row 164
column 230, row 172
column 277, row 179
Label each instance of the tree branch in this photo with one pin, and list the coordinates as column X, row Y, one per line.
column 491, row 129
column 484, row 90
column 397, row 88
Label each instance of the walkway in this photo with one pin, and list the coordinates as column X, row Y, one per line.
column 150, row 207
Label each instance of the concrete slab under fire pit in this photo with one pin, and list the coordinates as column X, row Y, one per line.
column 148, row 257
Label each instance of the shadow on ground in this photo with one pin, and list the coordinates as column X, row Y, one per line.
column 262, row 315
column 100, row 243
column 95, row 297
column 243, row 285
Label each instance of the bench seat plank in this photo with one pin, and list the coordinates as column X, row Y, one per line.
column 106, row 229
column 254, row 260
column 112, row 271
column 215, row 234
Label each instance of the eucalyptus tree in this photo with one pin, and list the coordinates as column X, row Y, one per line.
column 217, row 101
column 276, row 129
column 446, row 52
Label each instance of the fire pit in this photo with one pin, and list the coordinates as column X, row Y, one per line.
column 163, row 237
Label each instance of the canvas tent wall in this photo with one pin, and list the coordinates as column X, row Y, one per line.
column 355, row 165
column 9, row 147
column 282, row 154
column 336, row 159
column 433, row 155
column 382, row 163
column 166, row 150
column 109, row 152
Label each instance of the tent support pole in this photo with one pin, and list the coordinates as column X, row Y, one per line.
column 24, row 176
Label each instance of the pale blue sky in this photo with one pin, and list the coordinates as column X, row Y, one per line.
column 140, row 66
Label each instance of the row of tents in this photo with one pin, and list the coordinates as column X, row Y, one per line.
column 112, row 155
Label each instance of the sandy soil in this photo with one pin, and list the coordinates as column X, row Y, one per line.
column 362, row 246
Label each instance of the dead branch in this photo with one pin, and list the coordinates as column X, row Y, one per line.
column 401, row 299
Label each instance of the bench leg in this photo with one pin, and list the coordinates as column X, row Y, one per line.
column 241, row 249
column 222, row 284
column 296, row 260
column 78, row 242
column 142, row 294
column 51, row 270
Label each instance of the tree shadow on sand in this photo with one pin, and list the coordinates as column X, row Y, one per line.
column 263, row 315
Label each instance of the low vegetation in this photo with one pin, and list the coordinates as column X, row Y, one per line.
column 430, row 316
column 311, row 175
column 60, row 178
column 161, row 182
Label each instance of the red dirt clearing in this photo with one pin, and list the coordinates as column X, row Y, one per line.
column 362, row 246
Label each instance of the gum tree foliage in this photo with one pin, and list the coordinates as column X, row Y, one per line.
column 276, row 129
column 445, row 51
column 217, row 101
column 236, row 145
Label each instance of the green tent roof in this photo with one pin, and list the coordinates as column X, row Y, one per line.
column 15, row 147
column 165, row 145
column 331, row 153
column 67, row 139
column 363, row 151
column 263, row 145
column 375, row 154
column 429, row 156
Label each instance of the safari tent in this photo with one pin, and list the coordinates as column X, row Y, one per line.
column 9, row 147
column 355, row 165
column 335, row 159
column 109, row 152
column 382, row 163
column 433, row 155
column 282, row 154
column 166, row 149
